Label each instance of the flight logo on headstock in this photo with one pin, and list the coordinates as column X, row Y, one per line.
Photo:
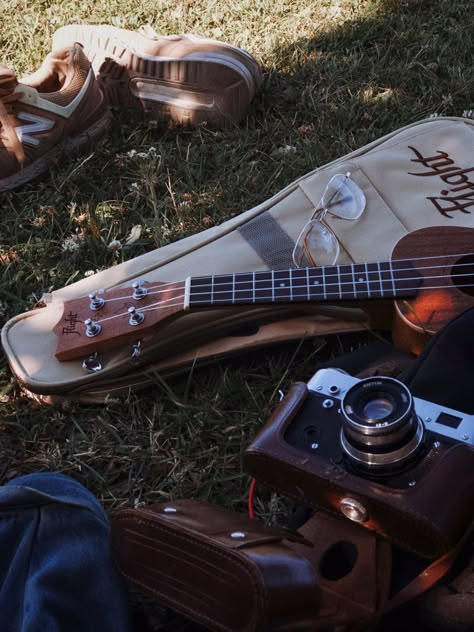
column 458, row 195
column 71, row 320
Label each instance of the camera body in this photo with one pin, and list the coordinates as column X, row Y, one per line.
column 375, row 428
column 370, row 452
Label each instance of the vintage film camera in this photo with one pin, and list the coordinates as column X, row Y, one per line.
column 374, row 459
column 390, row 478
column 369, row 451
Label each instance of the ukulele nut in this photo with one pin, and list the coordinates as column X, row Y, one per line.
column 92, row 328
column 136, row 318
column 96, row 301
column 139, row 291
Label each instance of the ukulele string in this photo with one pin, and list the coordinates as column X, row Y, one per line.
column 377, row 272
column 282, row 297
column 151, row 307
column 368, row 263
column 160, row 291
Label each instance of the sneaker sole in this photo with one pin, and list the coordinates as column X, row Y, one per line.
column 71, row 146
column 202, row 88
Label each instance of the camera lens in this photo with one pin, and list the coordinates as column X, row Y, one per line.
column 380, row 429
column 378, row 408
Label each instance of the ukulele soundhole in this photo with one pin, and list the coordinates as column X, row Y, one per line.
column 463, row 275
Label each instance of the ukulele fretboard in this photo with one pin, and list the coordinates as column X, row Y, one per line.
column 387, row 279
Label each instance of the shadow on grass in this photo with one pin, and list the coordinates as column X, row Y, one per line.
column 360, row 79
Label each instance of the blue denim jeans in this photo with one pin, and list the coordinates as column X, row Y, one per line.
column 56, row 572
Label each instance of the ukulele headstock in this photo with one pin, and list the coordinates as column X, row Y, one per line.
column 107, row 319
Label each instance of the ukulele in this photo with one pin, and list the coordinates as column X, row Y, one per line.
column 430, row 275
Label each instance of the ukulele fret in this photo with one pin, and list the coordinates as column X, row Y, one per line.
column 368, row 280
column 379, row 272
column 392, row 279
column 282, row 286
column 404, row 281
column 243, row 289
column 332, row 283
column 264, row 291
column 361, row 288
column 387, row 280
column 316, row 284
column 300, row 285
column 347, row 282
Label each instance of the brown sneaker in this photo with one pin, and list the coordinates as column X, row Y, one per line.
column 55, row 112
column 185, row 79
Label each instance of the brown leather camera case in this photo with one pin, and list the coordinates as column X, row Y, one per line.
column 427, row 519
column 217, row 567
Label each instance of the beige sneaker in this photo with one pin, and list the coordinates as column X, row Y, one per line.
column 185, row 79
column 57, row 111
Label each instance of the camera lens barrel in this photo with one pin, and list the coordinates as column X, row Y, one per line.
column 380, row 429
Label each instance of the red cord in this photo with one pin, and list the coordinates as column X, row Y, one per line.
column 250, row 500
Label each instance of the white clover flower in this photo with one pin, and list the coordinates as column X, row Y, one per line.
column 286, row 149
column 89, row 273
column 468, row 114
column 134, row 186
column 71, row 244
column 115, row 244
column 150, row 154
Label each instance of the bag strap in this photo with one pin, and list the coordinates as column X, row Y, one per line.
column 420, row 584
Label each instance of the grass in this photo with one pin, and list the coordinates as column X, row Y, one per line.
column 337, row 75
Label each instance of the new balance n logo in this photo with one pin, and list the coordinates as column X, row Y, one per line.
column 36, row 124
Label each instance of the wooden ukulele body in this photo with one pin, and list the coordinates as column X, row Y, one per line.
column 444, row 257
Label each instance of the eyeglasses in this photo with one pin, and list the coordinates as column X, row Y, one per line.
column 317, row 245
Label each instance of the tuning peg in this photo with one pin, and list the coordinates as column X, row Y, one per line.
column 92, row 328
column 136, row 318
column 139, row 291
column 96, row 301
column 92, row 364
column 136, row 350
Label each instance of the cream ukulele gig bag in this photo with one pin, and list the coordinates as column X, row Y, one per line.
column 149, row 316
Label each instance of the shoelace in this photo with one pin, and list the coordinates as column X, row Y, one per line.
column 7, row 97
